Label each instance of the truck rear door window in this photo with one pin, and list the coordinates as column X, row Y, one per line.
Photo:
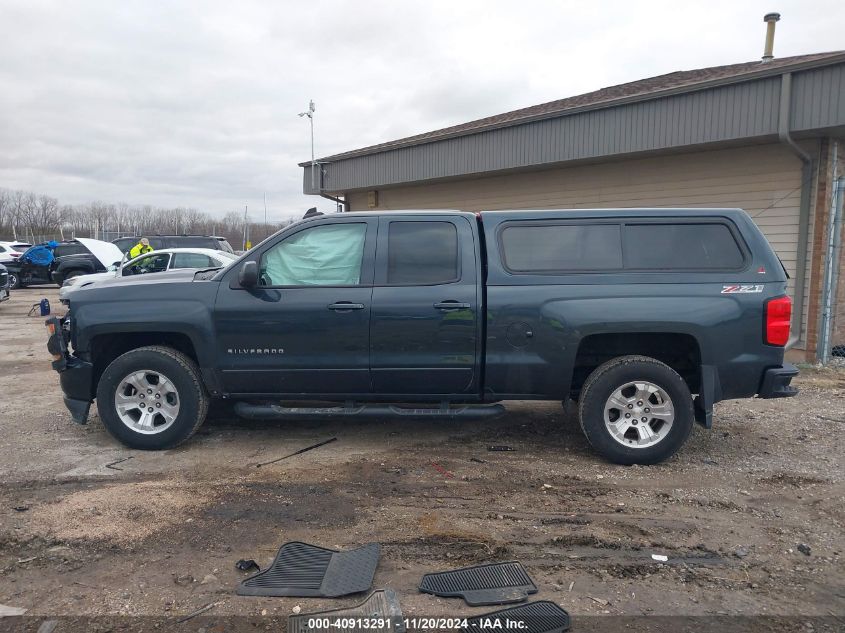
column 687, row 246
column 561, row 247
column 422, row 253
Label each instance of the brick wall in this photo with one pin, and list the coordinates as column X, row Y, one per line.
column 818, row 241
column 830, row 151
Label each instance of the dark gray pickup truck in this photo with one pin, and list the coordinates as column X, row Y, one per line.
column 645, row 317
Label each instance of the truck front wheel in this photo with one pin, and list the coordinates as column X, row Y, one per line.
column 636, row 410
column 152, row 398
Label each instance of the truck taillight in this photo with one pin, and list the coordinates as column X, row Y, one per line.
column 778, row 316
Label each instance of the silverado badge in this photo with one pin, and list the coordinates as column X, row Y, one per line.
column 255, row 350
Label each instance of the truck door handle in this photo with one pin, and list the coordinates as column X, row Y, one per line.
column 343, row 306
column 451, row 305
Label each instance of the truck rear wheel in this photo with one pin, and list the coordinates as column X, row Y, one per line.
column 152, row 398
column 636, row 410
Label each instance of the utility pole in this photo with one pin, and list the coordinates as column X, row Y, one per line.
column 266, row 230
column 246, row 224
column 310, row 114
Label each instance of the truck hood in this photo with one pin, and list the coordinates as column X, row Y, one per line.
column 109, row 280
column 106, row 252
column 84, row 281
column 119, row 288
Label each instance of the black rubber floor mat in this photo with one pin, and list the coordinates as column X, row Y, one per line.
column 542, row 616
column 379, row 612
column 304, row 570
column 494, row 583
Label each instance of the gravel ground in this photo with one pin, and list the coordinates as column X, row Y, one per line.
column 749, row 515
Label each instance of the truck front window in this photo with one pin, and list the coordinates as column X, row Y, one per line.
column 324, row 255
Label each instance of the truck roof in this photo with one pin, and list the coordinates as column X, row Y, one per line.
column 615, row 213
column 675, row 212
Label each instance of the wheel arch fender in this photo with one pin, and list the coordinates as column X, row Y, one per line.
column 678, row 347
column 108, row 342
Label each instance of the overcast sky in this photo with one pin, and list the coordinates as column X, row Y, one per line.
column 195, row 103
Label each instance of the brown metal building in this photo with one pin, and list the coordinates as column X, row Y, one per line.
column 764, row 136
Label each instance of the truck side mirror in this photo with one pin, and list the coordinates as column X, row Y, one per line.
column 248, row 275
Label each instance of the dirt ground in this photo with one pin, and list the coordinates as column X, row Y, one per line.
column 90, row 528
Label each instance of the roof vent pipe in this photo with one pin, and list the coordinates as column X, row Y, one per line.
column 770, row 19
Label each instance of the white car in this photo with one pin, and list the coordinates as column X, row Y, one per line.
column 10, row 251
column 151, row 263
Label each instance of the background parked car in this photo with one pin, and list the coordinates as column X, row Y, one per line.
column 69, row 258
column 10, row 251
column 150, row 263
column 98, row 257
column 4, row 283
column 24, row 271
column 159, row 242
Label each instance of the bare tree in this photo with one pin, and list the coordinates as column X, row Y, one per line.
column 5, row 212
column 26, row 215
column 18, row 205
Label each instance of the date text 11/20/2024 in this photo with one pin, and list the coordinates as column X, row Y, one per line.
column 415, row 624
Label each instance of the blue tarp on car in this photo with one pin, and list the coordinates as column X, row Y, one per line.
column 41, row 254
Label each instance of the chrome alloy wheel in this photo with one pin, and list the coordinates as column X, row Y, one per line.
column 147, row 402
column 639, row 414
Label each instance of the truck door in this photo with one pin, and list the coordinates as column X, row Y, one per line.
column 305, row 328
column 426, row 299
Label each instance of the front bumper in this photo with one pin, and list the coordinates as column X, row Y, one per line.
column 4, row 294
column 776, row 382
column 76, row 376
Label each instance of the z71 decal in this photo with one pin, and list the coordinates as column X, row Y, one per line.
column 744, row 289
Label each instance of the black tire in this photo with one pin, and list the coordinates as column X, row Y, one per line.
column 180, row 370
column 15, row 281
column 609, row 377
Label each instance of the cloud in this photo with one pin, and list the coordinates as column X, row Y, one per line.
column 195, row 103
